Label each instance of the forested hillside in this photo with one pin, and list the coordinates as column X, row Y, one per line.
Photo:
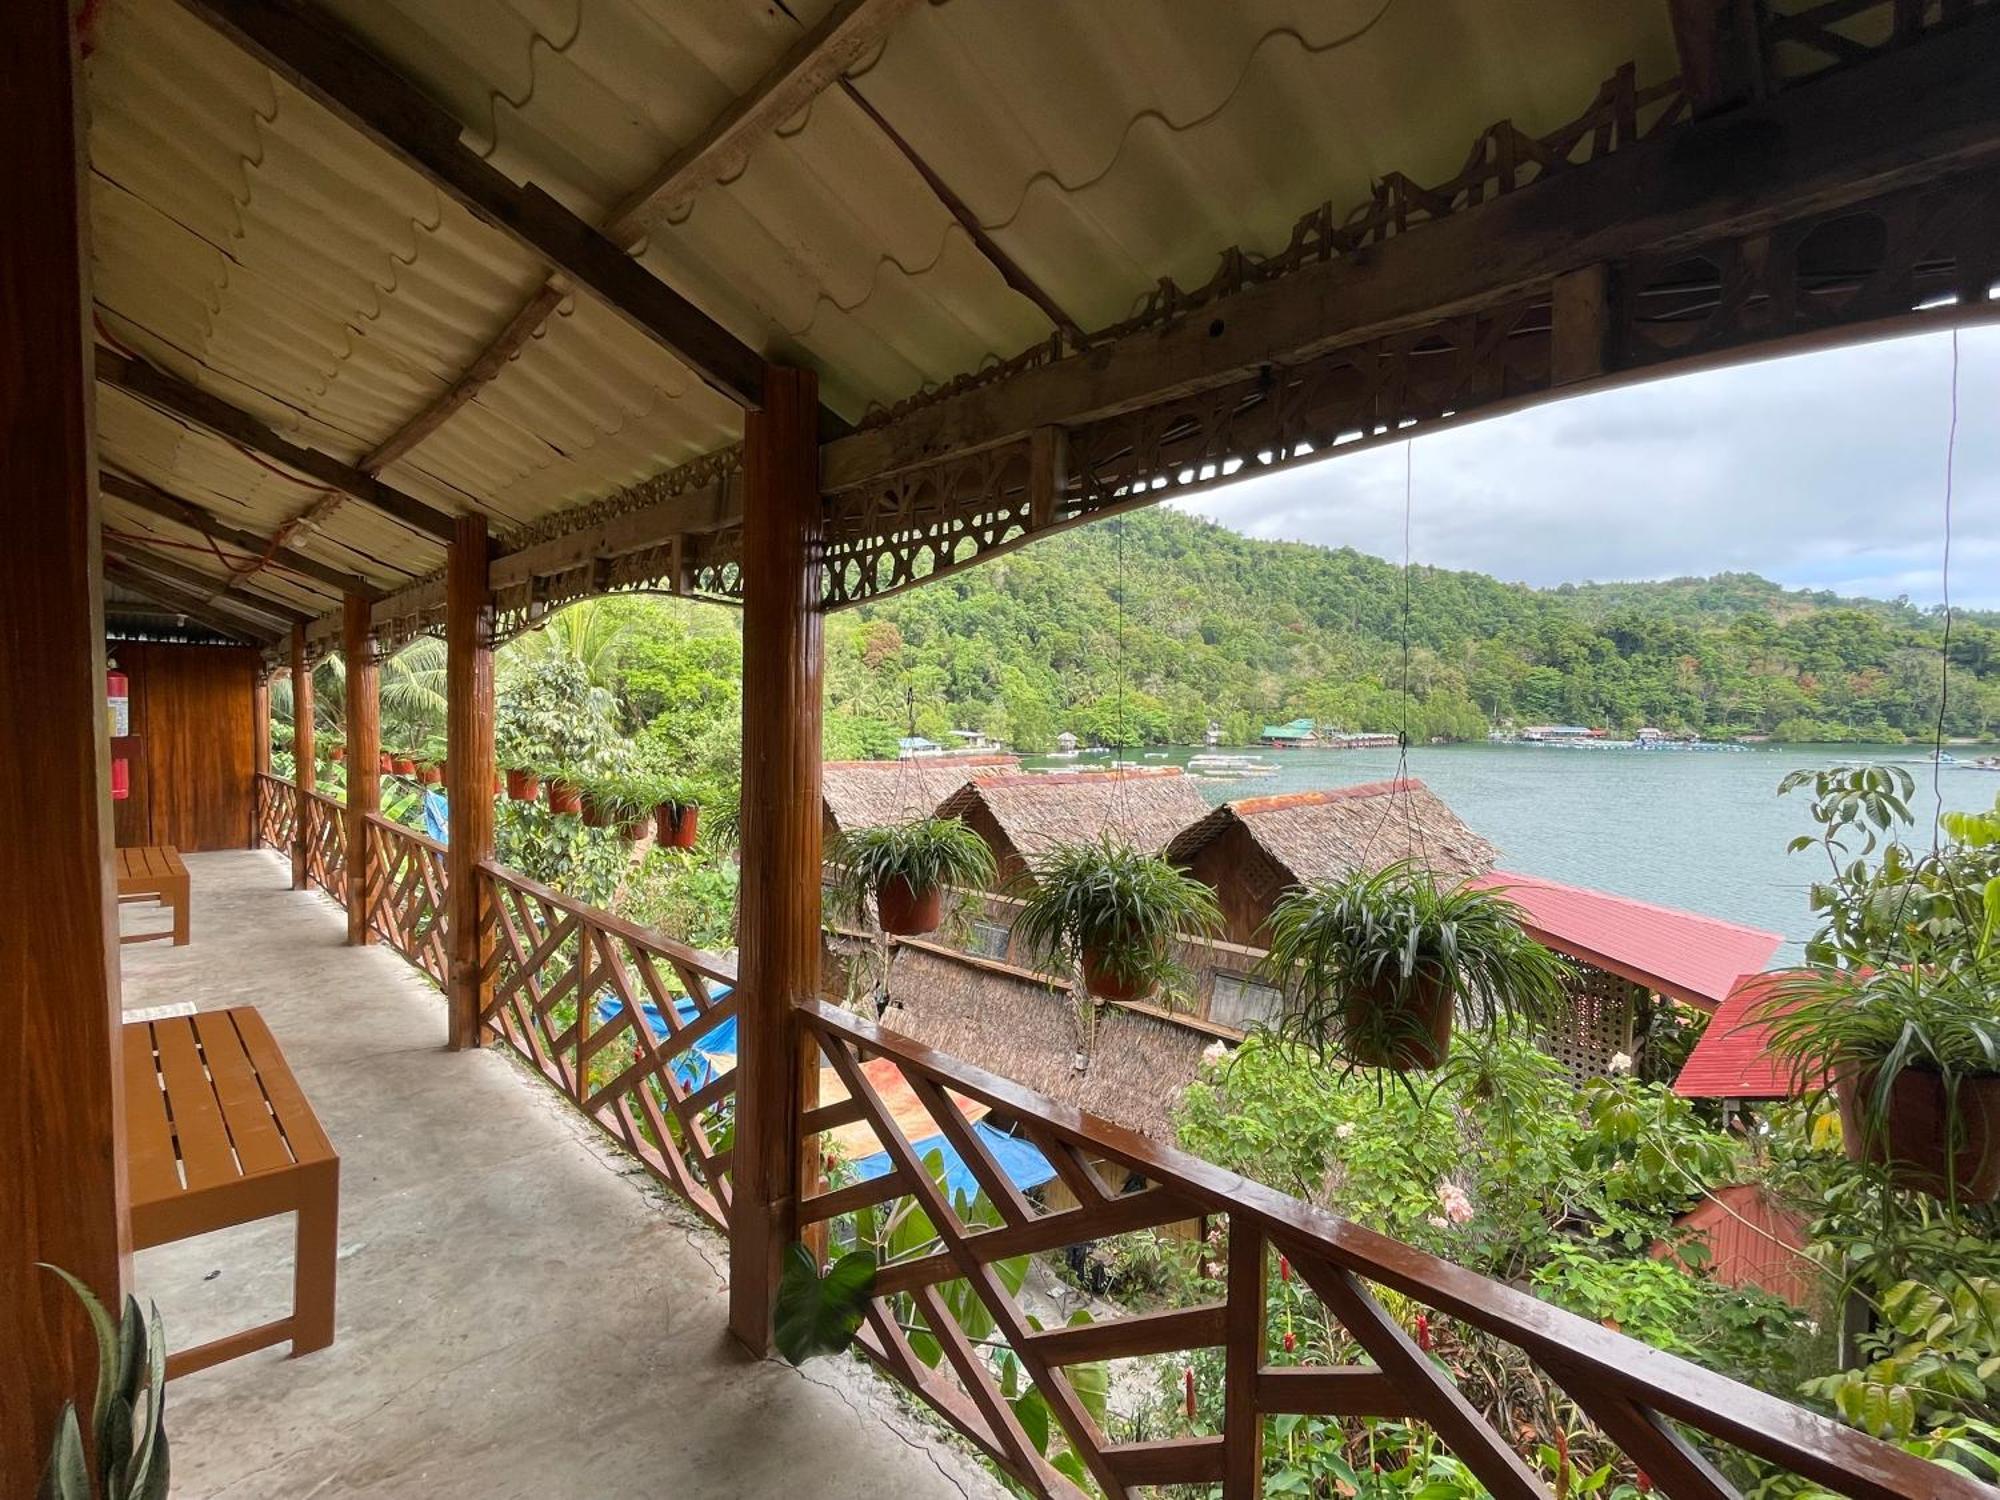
column 1174, row 621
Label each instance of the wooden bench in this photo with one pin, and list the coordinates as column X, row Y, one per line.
column 155, row 873
column 219, row 1133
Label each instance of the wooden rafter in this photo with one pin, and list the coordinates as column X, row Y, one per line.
column 1010, row 271
column 820, row 56
column 186, row 602
column 1721, row 53
column 309, row 51
column 1913, row 115
column 170, row 507
column 176, row 397
column 218, row 591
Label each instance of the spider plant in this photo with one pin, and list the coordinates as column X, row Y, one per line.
column 1113, row 912
column 1376, row 964
column 623, row 800
column 1912, row 1054
column 906, row 868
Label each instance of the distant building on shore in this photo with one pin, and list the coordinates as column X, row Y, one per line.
column 1296, row 735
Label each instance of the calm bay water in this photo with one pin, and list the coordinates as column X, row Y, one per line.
column 1702, row 831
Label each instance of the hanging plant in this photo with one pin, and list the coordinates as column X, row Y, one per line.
column 1911, row 1055
column 523, row 785
column 1375, row 966
column 906, row 869
column 566, row 793
column 1114, row 913
column 676, row 813
column 620, row 800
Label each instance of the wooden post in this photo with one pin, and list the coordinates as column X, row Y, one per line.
column 468, row 687
column 62, row 1167
column 302, row 751
column 778, row 937
column 260, row 723
column 364, row 752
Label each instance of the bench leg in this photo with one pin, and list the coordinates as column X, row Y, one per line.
column 178, row 896
column 313, row 1267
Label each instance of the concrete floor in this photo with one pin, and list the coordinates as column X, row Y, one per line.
column 520, row 1313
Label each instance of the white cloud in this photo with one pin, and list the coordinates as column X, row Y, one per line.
column 1821, row 471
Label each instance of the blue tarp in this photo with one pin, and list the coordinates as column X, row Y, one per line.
column 715, row 1047
column 1024, row 1165
column 437, row 816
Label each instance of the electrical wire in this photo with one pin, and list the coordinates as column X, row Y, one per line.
column 1944, row 648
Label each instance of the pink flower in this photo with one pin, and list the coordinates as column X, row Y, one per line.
column 1451, row 1198
column 1439, row 1221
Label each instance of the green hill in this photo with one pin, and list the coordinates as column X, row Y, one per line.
column 1161, row 622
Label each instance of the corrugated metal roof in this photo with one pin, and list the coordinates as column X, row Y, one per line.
column 1679, row 953
column 247, row 240
column 1733, row 1058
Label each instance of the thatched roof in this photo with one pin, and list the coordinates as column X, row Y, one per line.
column 1036, row 812
column 1320, row 835
column 1017, row 1024
column 861, row 794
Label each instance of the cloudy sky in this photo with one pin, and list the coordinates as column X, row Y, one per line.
column 1821, row 471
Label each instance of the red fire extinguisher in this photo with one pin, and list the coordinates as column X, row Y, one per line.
column 118, row 703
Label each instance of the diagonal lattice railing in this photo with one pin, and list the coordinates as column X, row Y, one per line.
column 326, row 844
column 638, row 1032
column 1658, row 1410
column 277, row 810
column 406, row 894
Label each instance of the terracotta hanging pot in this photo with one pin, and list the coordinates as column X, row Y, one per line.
column 1410, row 1032
column 565, row 797
column 431, row 775
column 678, row 823
column 499, row 784
column 338, row 754
column 406, row 765
column 593, row 815
column 634, row 829
column 1101, row 982
column 524, row 786
column 907, row 911
column 1914, row 1138
column 385, row 763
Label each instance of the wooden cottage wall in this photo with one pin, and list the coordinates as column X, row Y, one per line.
column 1247, row 883
column 191, row 710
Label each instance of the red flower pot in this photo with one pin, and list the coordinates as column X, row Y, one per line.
column 593, row 815
column 406, row 765
column 524, row 786
column 678, row 823
column 1915, row 1138
column 432, row 775
column 338, row 754
column 565, row 797
column 1105, row 985
column 385, row 763
column 634, row 829
column 906, row 911
column 499, row 784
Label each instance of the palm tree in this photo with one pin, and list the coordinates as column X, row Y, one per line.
column 587, row 633
column 410, row 691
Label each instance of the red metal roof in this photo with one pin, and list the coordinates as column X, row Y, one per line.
column 1733, row 1058
column 1679, row 953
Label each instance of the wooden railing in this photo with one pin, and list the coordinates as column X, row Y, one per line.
column 277, row 810
column 405, row 894
column 634, row 1029
column 326, row 843
column 1638, row 1398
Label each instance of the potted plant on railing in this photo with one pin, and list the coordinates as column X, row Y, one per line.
column 677, row 814
column 1911, row 1055
column 1112, row 913
column 906, row 868
column 566, row 791
column 1375, row 966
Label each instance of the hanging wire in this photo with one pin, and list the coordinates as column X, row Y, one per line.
column 1944, row 649
column 1399, row 793
column 1121, row 794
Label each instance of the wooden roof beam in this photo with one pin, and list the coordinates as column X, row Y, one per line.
column 820, row 56
column 1910, row 116
column 191, row 404
column 312, row 53
column 1721, row 52
column 220, row 592
column 189, row 602
column 169, row 507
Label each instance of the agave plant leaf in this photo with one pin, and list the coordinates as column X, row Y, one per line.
column 110, row 1360
column 67, row 1476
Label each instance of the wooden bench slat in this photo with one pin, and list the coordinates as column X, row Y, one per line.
column 294, row 1115
column 206, row 1158
column 260, row 1146
column 149, row 1139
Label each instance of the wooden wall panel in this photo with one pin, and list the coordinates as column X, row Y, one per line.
column 193, row 711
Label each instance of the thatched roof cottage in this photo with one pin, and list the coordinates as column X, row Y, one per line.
column 858, row 794
column 1024, row 815
column 1254, row 850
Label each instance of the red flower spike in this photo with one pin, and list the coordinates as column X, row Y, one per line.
column 1424, row 1332
column 1642, row 1482
column 1291, row 1341
column 1284, row 1269
column 1187, row 1385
